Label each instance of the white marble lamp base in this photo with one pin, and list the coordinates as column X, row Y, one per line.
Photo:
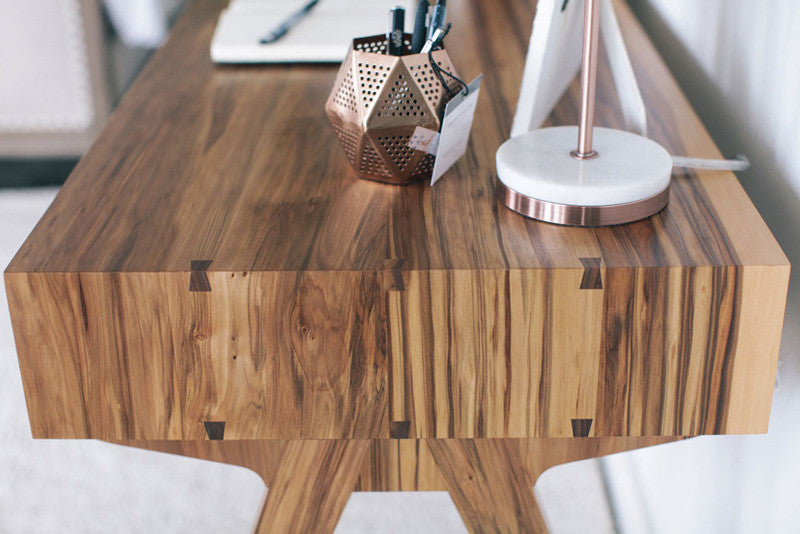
column 628, row 181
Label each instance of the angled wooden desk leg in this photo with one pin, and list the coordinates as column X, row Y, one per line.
column 488, row 483
column 491, row 480
column 312, row 485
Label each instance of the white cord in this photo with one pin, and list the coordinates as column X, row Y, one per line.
column 739, row 164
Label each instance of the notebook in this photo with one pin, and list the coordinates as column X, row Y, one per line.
column 323, row 36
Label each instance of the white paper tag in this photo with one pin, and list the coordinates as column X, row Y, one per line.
column 424, row 140
column 456, row 126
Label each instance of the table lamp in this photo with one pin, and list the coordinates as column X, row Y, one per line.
column 580, row 175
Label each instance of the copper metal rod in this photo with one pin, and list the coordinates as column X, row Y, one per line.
column 591, row 32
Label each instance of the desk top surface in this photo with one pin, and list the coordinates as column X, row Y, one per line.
column 238, row 165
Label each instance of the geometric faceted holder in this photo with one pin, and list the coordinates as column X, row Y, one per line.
column 377, row 103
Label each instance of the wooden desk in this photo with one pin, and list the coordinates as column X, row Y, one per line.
column 213, row 281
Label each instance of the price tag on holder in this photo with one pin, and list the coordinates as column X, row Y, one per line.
column 451, row 143
column 456, row 126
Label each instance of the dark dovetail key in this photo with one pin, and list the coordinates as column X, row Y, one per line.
column 215, row 430
column 399, row 429
column 199, row 278
column 581, row 427
column 592, row 277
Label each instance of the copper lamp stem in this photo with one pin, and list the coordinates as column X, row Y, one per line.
column 591, row 32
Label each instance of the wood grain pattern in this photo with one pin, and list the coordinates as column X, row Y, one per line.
column 274, row 356
column 486, row 481
column 221, row 166
column 209, row 260
column 312, row 485
column 656, row 352
column 213, row 281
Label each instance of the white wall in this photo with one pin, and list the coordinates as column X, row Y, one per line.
column 739, row 63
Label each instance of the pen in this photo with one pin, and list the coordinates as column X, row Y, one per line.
column 439, row 15
column 397, row 21
column 283, row 28
column 420, row 27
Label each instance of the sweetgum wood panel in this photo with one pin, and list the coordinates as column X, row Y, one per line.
column 239, row 165
column 272, row 356
column 497, row 354
column 358, row 354
column 523, row 353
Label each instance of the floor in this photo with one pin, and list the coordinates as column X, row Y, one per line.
column 93, row 487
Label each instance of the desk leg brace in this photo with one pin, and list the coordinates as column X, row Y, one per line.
column 490, row 480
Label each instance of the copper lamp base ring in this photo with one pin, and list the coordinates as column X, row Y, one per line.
column 572, row 215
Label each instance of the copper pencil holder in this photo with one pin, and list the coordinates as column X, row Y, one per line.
column 377, row 103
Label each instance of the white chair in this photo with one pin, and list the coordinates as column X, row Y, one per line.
column 54, row 91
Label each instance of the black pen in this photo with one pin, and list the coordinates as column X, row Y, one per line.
column 439, row 15
column 283, row 28
column 396, row 33
column 420, row 27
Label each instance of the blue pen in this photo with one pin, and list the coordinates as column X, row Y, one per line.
column 437, row 20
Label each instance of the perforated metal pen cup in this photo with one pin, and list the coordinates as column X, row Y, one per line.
column 377, row 103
